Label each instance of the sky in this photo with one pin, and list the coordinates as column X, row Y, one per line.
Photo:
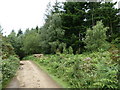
column 23, row 14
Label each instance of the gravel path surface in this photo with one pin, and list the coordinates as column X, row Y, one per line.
column 31, row 76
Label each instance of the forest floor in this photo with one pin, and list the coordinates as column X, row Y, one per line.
column 30, row 75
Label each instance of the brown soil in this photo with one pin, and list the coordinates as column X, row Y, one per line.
column 31, row 76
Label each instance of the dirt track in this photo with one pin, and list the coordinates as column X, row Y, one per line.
column 30, row 76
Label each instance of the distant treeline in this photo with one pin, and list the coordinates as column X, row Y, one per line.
column 67, row 27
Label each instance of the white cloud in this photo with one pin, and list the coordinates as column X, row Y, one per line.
column 15, row 14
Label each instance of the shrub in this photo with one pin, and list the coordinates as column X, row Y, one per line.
column 65, row 51
column 95, row 38
column 9, row 67
column 70, row 50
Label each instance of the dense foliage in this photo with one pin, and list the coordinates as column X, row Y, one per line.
column 78, row 16
column 66, row 25
column 9, row 61
column 17, row 42
column 71, row 30
column 95, row 70
column 9, row 68
column 96, row 39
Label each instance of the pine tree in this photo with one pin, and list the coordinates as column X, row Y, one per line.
column 19, row 32
column 95, row 39
column 73, row 23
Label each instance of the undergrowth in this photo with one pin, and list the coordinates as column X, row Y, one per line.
column 95, row 70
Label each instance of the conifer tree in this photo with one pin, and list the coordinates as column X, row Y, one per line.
column 95, row 38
